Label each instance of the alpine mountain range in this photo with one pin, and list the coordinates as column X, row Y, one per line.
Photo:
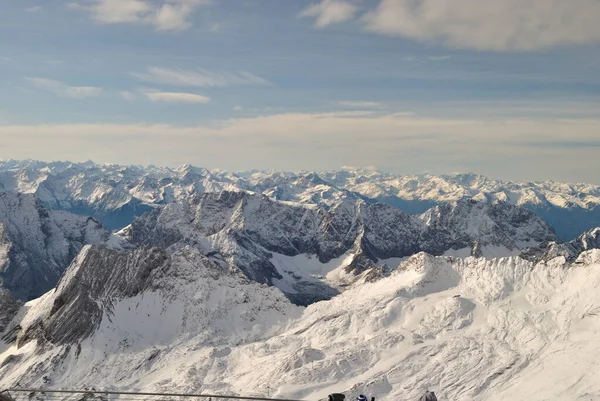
column 359, row 281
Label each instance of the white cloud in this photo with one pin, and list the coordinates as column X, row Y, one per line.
column 174, row 97
column 168, row 15
column 116, row 11
column 238, row 108
column 63, row 90
column 198, row 78
column 495, row 25
column 35, row 9
column 329, row 12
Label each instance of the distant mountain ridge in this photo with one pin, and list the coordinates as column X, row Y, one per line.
column 115, row 194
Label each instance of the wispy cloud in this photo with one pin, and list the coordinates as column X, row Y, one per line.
column 198, row 78
column 361, row 105
column 35, row 9
column 61, row 89
column 329, row 12
column 174, row 97
column 507, row 25
column 167, row 15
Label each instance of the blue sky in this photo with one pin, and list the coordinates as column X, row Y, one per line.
column 510, row 89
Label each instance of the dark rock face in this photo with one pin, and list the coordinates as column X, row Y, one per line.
column 200, row 293
column 8, row 308
column 240, row 231
column 97, row 277
column 37, row 244
column 570, row 250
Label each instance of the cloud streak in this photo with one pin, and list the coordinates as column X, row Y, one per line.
column 329, row 12
column 61, row 89
column 361, row 105
column 198, row 78
column 168, row 15
column 489, row 25
column 174, row 97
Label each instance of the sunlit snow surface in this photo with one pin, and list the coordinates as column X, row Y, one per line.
column 474, row 329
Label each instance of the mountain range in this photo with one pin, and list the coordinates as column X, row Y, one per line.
column 115, row 194
column 187, row 280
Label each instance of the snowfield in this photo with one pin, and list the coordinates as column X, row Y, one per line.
column 469, row 329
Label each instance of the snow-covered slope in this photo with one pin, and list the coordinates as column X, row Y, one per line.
column 472, row 329
column 311, row 253
column 37, row 244
column 117, row 194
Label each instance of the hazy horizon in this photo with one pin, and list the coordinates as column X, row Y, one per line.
column 374, row 169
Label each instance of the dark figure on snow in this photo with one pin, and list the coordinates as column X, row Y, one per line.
column 429, row 396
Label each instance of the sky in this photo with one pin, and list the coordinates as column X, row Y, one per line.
column 509, row 89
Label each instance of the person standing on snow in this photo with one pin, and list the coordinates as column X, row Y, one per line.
column 429, row 396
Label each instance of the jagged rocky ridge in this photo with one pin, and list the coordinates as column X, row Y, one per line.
column 265, row 239
column 37, row 244
column 569, row 250
column 117, row 194
column 101, row 282
column 252, row 233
